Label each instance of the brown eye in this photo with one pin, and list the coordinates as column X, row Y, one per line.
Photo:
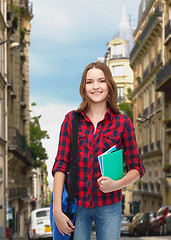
column 88, row 82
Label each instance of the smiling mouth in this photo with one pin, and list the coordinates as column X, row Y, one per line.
column 96, row 93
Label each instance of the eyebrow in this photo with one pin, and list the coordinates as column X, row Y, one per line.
column 98, row 78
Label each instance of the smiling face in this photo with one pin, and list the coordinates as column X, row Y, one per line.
column 96, row 87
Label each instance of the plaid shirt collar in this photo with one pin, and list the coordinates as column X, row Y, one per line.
column 108, row 114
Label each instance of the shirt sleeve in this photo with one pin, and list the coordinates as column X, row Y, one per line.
column 62, row 159
column 132, row 155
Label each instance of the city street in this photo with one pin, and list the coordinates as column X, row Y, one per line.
column 93, row 237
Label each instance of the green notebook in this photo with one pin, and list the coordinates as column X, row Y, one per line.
column 113, row 164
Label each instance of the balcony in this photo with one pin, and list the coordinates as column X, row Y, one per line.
column 159, row 103
column 168, row 33
column 145, row 186
column 17, row 192
column 152, row 64
column 145, row 112
column 152, row 147
column 22, row 103
column 158, row 145
column 163, row 78
column 158, row 188
column 27, row 7
column 17, row 144
column 159, row 57
column 145, row 149
column 117, row 56
column 152, row 107
column 153, row 23
column 145, row 73
column 152, row 187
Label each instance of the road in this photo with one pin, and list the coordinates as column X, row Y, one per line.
column 93, row 237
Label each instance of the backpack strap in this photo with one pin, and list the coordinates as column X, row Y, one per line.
column 73, row 166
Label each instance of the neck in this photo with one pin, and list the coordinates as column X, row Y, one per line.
column 97, row 109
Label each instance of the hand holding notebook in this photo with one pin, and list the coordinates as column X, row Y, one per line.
column 111, row 163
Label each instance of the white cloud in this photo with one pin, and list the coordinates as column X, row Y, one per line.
column 60, row 21
column 52, row 115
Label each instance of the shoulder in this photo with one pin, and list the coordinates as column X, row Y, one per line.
column 122, row 118
column 70, row 115
column 68, row 118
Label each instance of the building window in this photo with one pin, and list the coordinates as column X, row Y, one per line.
column 152, row 135
column 118, row 50
column 120, row 94
column 118, row 71
column 2, row 115
column 146, row 61
column 140, row 138
column 2, row 60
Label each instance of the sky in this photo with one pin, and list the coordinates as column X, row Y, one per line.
column 65, row 37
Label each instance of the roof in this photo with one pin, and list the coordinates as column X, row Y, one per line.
column 125, row 32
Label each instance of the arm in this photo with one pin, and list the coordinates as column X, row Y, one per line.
column 59, row 171
column 135, row 164
column 106, row 184
column 65, row 226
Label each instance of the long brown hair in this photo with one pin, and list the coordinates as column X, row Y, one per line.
column 112, row 89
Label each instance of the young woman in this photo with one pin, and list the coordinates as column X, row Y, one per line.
column 101, row 127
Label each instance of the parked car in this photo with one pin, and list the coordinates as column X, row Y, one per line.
column 142, row 226
column 39, row 224
column 167, row 224
column 125, row 220
column 132, row 225
column 157, row 224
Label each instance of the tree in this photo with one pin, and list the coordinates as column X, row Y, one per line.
column 38, row 152
column 127, row 107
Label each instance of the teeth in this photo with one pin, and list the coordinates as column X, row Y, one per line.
column 97, row 93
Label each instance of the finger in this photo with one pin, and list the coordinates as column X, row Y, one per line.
column 61, row 232
column 70, row 223
column 104, row 178
column 99, row 179
column 68, row 231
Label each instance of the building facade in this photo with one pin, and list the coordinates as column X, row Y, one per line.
column 40, row 187
column 19, row 15
column 163, row 84
column 117, row 58
column 3, row 120
column 151, row 107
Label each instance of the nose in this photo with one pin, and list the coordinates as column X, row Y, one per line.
column 96, row 85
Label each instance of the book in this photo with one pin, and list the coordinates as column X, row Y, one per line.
column 113, row 148
column 113, row 164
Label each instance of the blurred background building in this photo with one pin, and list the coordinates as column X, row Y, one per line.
column 117, row 57
column 3, row 119
column 22, row 187
column 150, row 61
column 145, row 67
column 19, row 15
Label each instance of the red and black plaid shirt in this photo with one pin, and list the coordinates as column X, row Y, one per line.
column 114, row 129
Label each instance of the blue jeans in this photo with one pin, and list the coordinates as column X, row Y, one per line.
column 107, row 222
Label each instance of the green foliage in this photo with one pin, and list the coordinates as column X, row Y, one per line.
column 127, row 107
column 16, row 10
column 139, row 42
column 38, row 152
